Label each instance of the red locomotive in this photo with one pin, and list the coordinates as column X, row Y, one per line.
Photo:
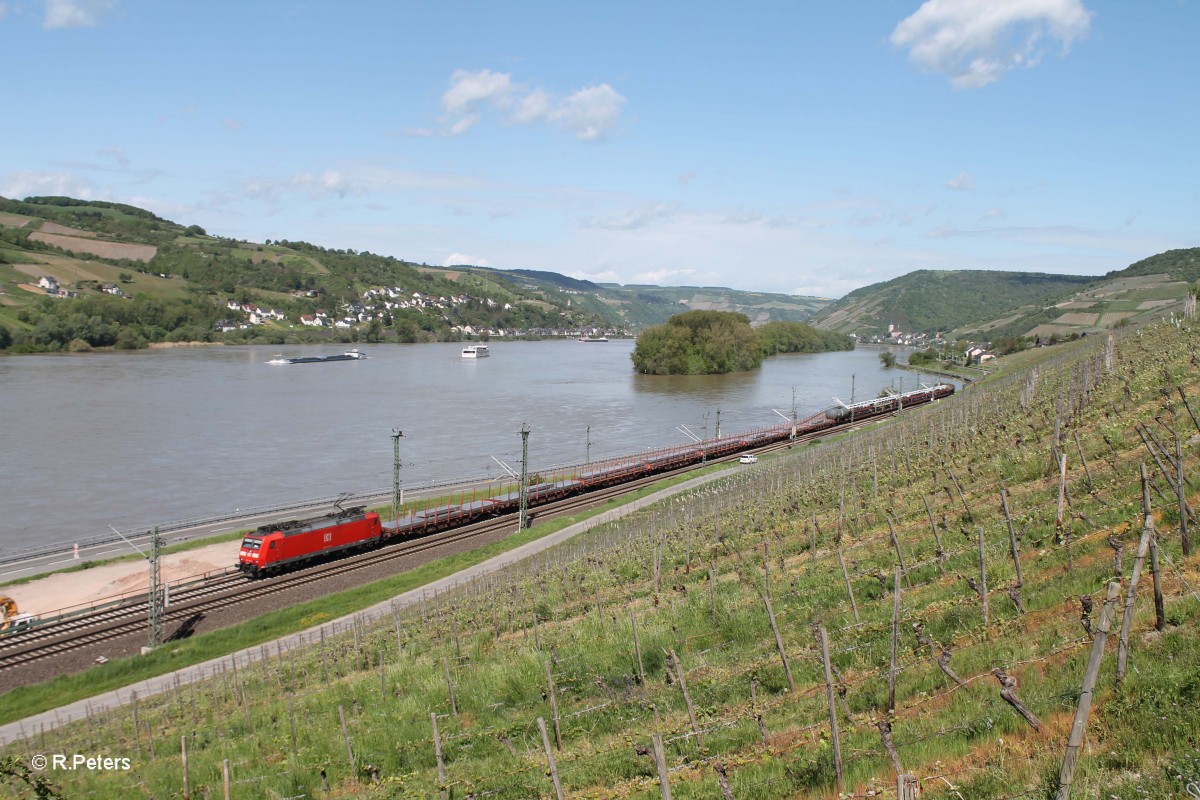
column 288, row 544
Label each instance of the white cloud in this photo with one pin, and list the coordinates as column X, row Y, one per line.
column 664, row 276
column 76, row 13
column 233, row 124
column 39, row 184
column 533, row 107
column 964, row 182
column 589, row 113
column 974, row 42
column 629, row 219
column 311, row 185
column 3, row 9
column 604, row 276
column 462, row 259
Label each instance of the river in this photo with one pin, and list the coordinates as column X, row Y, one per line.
column 134, row 439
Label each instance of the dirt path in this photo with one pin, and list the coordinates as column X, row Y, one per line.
column 90, row 586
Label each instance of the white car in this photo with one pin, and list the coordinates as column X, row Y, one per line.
column 20, row 622
column 749, row 458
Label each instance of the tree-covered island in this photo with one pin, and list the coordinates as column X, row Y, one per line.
column 717, row 342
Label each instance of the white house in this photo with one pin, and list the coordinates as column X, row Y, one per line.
column 48, row 283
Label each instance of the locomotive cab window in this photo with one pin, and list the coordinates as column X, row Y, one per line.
column 251, row 544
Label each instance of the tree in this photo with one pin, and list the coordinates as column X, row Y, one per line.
column 887, row 358
column 698, row 343
column 5, row 338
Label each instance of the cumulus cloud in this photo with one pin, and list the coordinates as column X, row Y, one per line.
column 604, row 276
column 664, row 276
column 313, row 185
column 964, row 182
column 974, row 42
column 589, row 114
column 66, row 184
column 462, row 259
column 630, row 219
column 76, row 13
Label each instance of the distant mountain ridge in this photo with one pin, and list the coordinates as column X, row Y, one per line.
column 992, row 304
column 928, row 301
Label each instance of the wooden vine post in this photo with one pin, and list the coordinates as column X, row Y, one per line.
column 849, row 588
column 1012, row 536
column 778, row 644
column 891, row 704
column 1183, row 506
column 558, row 790
column 660, row 763
column 833, row 725
column 1075, row 741
column 553, row 706
column 441, row 762
column 1138, row 564
column 687, row 699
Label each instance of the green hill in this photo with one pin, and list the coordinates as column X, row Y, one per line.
column 1180, row 265
column 928, row 301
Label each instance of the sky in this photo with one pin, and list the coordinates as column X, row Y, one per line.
column 800, row 147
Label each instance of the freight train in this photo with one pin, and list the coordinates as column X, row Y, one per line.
column 283, row 546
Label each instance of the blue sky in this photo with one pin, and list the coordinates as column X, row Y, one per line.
column 797, row 147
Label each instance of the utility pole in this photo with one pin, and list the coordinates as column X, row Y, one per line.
column 587, row 460
column 397, row 492
column 793, row 437
column 718, row 423
column 156, row 596
column 155, row 600
column 523, row 516
column 852, row 397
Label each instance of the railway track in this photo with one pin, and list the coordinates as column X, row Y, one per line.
column 58, row 638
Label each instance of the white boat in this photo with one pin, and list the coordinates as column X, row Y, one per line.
column 475, row 351
column 593, row 338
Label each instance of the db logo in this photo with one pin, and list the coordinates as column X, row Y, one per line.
column 328, row 538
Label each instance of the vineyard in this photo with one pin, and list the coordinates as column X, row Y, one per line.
column 989, row 598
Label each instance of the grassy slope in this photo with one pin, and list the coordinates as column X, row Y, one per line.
column 932, row 300
column 785, row 514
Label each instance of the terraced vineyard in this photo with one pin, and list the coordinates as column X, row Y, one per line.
column 956, row 562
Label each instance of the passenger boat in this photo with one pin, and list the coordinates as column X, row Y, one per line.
column 349, row 355
column 593, row 338
column 475, row 351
